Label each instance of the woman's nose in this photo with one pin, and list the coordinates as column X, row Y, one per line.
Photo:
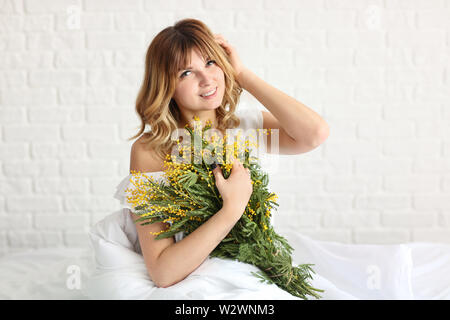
column 205, row 77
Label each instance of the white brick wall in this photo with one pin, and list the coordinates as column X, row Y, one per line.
column 377, row 71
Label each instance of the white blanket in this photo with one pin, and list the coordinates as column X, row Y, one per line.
column 113, row 268
column 344, row 271
column 45, row 274
column 121, row 272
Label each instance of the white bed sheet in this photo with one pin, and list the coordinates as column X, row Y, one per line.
column 417, row 270
column 45, row 273
column 407, row 271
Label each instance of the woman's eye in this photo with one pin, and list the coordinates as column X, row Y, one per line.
column 183, row 74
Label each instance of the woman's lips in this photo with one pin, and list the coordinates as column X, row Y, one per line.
column 211, row 96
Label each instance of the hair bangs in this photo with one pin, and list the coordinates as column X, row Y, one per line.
column 182, row 56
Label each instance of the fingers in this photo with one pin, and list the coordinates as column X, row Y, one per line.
column 220, row 37
column 241, row 166
column 237, row 165
column 217, row 172
column 237, row 162
column 221, row 40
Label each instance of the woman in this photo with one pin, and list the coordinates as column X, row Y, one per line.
column 184, row 62
column 189, row 73
column 192, row 73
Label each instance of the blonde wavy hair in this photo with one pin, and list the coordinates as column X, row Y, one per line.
column 168, row 52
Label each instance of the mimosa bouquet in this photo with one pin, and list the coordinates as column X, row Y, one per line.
column 190, row 197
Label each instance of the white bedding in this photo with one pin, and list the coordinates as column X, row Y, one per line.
column 43, row 273
column 114, row 269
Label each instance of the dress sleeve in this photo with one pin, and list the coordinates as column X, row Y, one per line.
column 250, row 118
column 121, row 194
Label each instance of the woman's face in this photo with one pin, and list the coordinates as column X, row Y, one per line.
column 197, row 79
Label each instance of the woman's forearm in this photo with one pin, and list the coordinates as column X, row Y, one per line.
column 177, row 261
column 294, row 117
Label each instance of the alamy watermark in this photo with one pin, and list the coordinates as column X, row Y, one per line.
column 373, row 17
column 374, row 277
column 73, row 21
column 73, row 281
column 237, row 140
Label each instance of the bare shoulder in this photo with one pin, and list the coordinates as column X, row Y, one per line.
column 144, row 159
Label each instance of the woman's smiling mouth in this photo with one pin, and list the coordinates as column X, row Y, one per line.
column 210, row 94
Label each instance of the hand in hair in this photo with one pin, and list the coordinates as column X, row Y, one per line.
column 232, row 53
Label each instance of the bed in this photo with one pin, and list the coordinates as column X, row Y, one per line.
column 113, row 268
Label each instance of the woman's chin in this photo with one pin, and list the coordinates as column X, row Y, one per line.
column 213, row 106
